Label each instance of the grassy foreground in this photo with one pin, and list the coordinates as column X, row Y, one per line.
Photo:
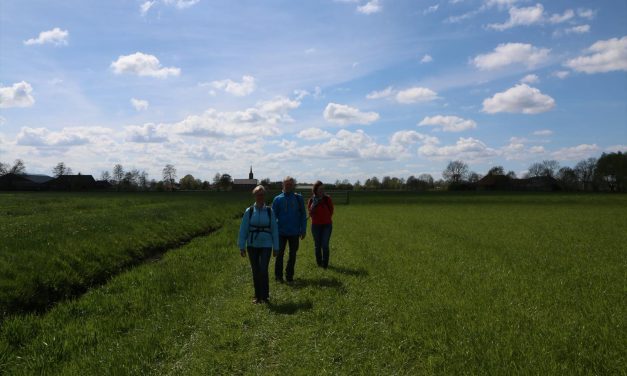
column 464, row 284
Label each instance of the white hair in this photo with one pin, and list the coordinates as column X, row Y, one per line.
column 259, row 188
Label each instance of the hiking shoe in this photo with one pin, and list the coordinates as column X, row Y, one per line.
column 257, row 301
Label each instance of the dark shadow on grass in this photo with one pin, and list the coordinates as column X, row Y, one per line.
column 348, row 271
column 290, row 308
column 333, row 283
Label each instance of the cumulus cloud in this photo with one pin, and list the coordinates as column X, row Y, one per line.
column 511, row 53
column 561, row 74
column 580, row 29
column 373, row 6
column 143, row 65
column 407, row 138
column 314, row 134
column 16, row 95
column 519, row 99
column 139, row 104
column 530, row 79
column 448, row 123
column 147, row 133
column 467, row 149
column 426, row 59
column 559, row 18
column 603, row 56
column 181, row 4
column 55, row 36
column 416, row 94
column 431, row 9
column 521, row 17
column 543, row 132
column 67, row 137
column 145, row 7
column 261, row 120
column 344, row 115
column 388, row 91
column 239, row 89
column 575, row 152
column 586, row 13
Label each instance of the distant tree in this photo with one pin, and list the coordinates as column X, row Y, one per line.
column 118, row 175
column 496, row 170
column 188, row 182
column 426, row 180
column 455, row 172
column 61, row 169
column 511, row 174
column 105, row 176
column 548, row 168
column 612, row 170
column 474, row 177
column 169, row 176
column 357, row 186
column 585, row 173
column 265, row 182
column 18, row 167
column 412, row 184
column 4, row 169
column 372, row 183
column 343, row 185
column 226, row 182
column 567, row 178
column 206, row 185
column 142, row 180
column 216, row 180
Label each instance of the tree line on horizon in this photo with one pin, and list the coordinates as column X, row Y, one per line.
column 606, row 173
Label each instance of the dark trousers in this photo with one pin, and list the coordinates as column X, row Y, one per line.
column 322, row 236
column 291, row 259
column 259, row 260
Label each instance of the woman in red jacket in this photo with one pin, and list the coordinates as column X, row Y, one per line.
column 321, row 210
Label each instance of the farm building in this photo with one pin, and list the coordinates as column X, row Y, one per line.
column 245, row 184
column 72, row 183
column 23, row 182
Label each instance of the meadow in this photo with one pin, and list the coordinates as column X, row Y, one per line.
column 434, row 283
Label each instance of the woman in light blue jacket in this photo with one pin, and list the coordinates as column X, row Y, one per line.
column 259, row 235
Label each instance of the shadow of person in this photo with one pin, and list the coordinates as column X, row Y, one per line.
column 333, row 283
column 348, row 271
column 290, row 308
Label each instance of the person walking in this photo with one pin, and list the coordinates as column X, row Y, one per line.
column 321, row 209
column 259, row 235
column 289, row 208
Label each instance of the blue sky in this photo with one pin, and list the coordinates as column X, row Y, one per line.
column 344, row 89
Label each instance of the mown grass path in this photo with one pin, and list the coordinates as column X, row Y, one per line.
column 474, row 285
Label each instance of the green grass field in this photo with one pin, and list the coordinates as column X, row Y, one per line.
column 419, row 284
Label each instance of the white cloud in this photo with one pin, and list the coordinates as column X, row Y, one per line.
column 388, row 91
column 426, row 59
column 467, row 149
column 586, row 13
column 543, row 132
column 181, row 4
column 431, row 9
column 55, row 36
column 147, row 133
column 580, row 29
column 139, row 104
column 521, row 17
column 344, row 115
column 17, row 95
column 616, row 148
column 559, row 18
column 145, row 7
column 373, row 6
column 604, row 56
column 537, row 150
column 448, row 123
column 501, row 4
column 261, row 120
column 407, row 138
column 519, row 99
column 561, row 74
column 314, row 134
column 142, row 65
column 67, row 137
column 239, row 89
column 575, row 152
column 416, row 94
column 530, row 79
column 511, row 53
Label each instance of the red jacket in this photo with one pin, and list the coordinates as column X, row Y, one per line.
column 322, row 213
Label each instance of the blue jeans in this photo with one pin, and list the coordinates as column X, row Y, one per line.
column 259, row 260
column 322, row 236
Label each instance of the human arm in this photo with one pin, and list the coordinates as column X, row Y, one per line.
column 243, row 233
column 275, row 234
column 331, row 207
column 303, row 217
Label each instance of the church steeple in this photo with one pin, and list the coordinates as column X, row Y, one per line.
column 250, row 174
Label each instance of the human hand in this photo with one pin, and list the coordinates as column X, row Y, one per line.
column 242, row 252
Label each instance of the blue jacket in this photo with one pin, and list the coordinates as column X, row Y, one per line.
column 289, row 209
column 268, row 238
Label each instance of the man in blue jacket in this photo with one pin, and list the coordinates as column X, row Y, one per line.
column 289, row 209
